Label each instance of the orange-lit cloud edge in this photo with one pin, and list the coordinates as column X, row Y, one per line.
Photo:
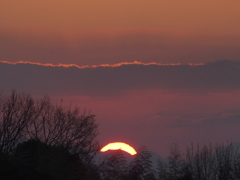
column 119, row 146
column 100, row 65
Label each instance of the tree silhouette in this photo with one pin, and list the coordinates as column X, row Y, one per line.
column 212, row 161
column 162, row 170
column 175, row 168
column 207, row 162
column 141, row 167
column 22, row 117
column 15, row 113
column 176, row 163
column 34, row 159
column 115, row 167
column 57, row 131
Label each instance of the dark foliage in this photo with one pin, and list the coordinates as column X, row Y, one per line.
column 217, row 161
column 40, row 140
column 141, row 167
column 115, row 167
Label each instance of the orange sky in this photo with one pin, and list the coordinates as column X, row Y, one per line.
column 198, row 16
column 108, row 32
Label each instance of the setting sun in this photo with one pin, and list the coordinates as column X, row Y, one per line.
column 119, row 146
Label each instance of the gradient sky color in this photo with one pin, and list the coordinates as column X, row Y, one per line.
column 154, row 72
column 200, row 16
column 95, row 32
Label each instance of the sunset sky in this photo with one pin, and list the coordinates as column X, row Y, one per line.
column 154, row 72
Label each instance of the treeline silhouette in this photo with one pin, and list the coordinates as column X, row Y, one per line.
column 207, row 162
column 41, row 140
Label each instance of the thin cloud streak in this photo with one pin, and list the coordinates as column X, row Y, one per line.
column 104, row 80
column 100, row 65
column 113, row 46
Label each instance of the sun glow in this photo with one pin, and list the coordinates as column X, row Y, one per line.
column 119, row 146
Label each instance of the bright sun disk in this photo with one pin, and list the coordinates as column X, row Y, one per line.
column 119, row 146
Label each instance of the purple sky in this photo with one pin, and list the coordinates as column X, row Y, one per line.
column 152, row 105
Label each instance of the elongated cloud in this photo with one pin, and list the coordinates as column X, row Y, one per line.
column 106, row 80
column 114, row 46
column 96, row 66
